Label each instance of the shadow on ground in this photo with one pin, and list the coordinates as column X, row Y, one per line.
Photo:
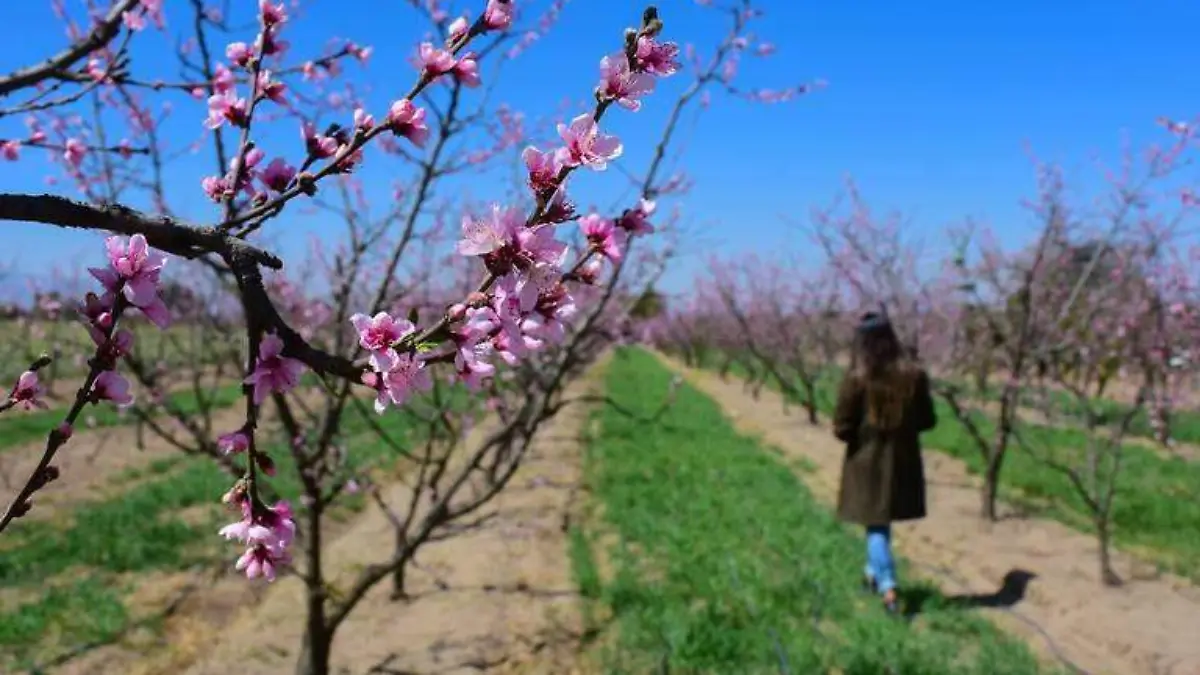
column 1011, row 591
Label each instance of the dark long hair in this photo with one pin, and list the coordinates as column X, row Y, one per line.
column 884, row 369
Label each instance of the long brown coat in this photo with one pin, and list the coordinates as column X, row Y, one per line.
column 883, row 477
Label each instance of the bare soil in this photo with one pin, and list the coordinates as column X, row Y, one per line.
column 1035, row 577
column 497, row 598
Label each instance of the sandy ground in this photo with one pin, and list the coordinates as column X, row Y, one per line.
column 1036, row 577
column 91, row 459
column 499, row 598
column 94, row 456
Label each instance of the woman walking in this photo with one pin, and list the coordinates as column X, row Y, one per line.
column 884, row 403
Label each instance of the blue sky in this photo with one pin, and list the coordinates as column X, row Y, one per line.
column 930, row 105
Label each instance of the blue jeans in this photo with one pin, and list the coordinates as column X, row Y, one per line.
column 880, row 566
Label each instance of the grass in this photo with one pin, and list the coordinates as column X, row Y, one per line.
column 1185, row 424
column 1154, row 513
column 164, row 520
column 725, row 563
column 19, row 427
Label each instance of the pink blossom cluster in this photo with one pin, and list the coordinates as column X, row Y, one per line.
column 529, row 296
column 266, row 532
column 130, row 280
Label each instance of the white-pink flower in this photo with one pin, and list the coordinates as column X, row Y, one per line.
column 405, row 375
column 134, row 271
column 543, row 167
column 28, row 391
column 604, row 235
column 233, row 442
column 618, row 81
column 586, row 146
column 435, row 61
column 74, row 151
column 111, row 386
column 408, row 120
column 498, row 14
column 273, row 371
column 379, row 334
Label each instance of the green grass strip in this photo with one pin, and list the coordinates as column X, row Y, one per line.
column 1155, row 511
column 167, row 522
column 727, row 564
column 18, row 427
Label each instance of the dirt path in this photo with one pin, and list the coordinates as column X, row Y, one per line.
column 1038, row 577
column 497, row 598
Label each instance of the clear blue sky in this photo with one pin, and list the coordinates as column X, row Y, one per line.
column 929, row 104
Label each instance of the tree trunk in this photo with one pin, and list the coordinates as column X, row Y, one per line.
column 314, row 651
column 991, row 483
column 1163, row 432
column 399, row 574
column 810, row 402
column 314, row 654
column 1108, row 576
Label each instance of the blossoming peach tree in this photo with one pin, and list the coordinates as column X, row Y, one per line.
column 514, row 336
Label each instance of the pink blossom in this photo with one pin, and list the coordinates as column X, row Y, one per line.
column 589, row 273
column 481, row 237
column 360, row 53
column 273, row 372
column 223, row 79
column 318, row 146
column 636, row 220
column 238, row 52
column 435, row 61
column 28, row 391
column 120, row 345
column 603, row 235
column 618, row 82
column 134, row 270
column 657, row 58
column 278, row 175
column 467, row 71
column 406, row 119
column 74, row 151
column 233, row 442
column 504, row 241
column 225, row 107
column 133, row 20
column 458, row 27
column 98, row 311
column 273, row 90
column 405, row 374
column 272, row 14
column 363, row 120
column 537, row 245
column 217, row 188
column 111, row 386
column 379, row 335
column 11, row 150
column 472, row 350
column 558, row 209
column 260, row 561
column 585, row 145
column 498, row 14
column 267, row 534
column 543, row 167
